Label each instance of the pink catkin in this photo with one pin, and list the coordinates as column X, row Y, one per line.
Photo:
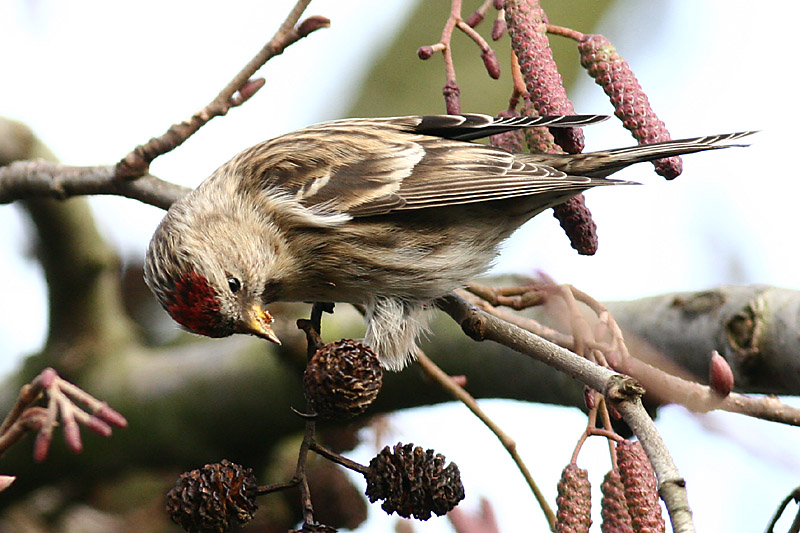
column 576, row 221
column 510, row 141
column 614, row 75
column 574, row 514
column 641, row 490
column 614, row 508
column 573, row 215
column 525, row 20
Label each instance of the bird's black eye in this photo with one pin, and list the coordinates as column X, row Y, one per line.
column 234, row 284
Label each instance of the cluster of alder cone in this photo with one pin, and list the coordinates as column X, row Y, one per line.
column 340, row 381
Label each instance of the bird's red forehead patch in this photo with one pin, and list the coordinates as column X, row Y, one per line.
column 194, row 304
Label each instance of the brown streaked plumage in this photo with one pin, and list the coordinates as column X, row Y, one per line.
column 390, row 213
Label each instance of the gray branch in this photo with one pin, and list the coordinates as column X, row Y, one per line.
column 23, row 180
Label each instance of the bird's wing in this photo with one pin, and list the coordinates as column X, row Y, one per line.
column 366, row 167
column 468, row 127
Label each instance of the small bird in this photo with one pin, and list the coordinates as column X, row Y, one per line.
column 389, row 213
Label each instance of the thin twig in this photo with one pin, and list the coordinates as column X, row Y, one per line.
column 338, row 459
column 275, row 487
column 300, row 473
column 794, row 495
column 28, row 394
column 517, row 298
column 137, row 162
column 520, row 91
column 451, row 91
column 31, row 420
column 565, row 32
column 474, row 35
column 458, row 392
column 592, row 429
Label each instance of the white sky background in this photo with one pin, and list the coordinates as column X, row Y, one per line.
column 94, row 79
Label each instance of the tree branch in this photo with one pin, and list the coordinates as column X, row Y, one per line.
column 665, row 380
column 622, row 391
column 753, row 327
column 137, row 162
column 24, row 180
column 129, row 177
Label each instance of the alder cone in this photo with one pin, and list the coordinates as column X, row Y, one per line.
column 342, row 379
column 214, row 499
column 413, row 482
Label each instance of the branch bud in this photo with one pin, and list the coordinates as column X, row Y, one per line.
column 312, row 24
column 425, row 52
column 474, row 19
column 42, row 445
column 452, row 97
column 72, row 436
column 491, row 63
column 499, row 28
column 720, row 375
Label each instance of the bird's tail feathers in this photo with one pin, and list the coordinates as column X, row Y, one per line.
column 605, row 163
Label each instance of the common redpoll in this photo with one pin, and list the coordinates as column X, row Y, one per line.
column 389, row 213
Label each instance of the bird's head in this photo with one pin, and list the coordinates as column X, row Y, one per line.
column 210, row 275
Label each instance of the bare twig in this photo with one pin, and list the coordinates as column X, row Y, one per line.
column 565, row 32
column 622, row 392
column 276, row 487
column 451, row 90
column 129, row 177
column 300, row 473
column 312, row 328
column 338, row 459
column 518, row 298
column 520, row 91
column 795, row 527
column 458, row 392
column 32, row 419
column 599, row 408
column 137, row 162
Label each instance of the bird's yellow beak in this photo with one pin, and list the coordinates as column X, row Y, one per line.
column 257, row 322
